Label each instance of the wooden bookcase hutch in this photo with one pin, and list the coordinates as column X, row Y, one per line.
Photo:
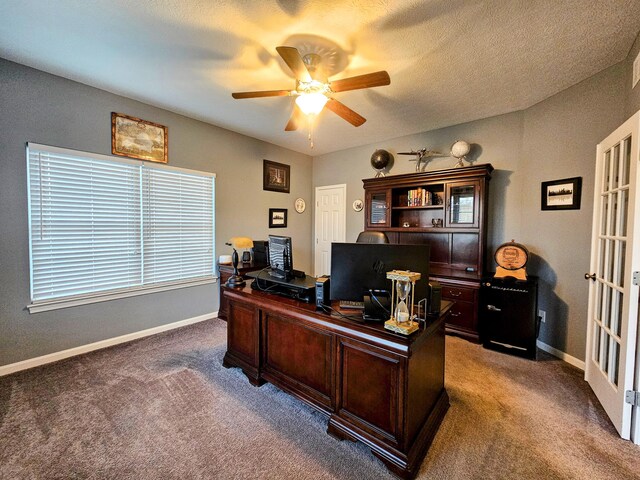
column 447, row 210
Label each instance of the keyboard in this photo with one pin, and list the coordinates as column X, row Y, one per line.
column 350, row 304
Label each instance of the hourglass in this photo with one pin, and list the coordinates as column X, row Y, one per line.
column 403, row 287
column 402, row 292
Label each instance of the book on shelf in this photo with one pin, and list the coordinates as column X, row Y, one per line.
column 419, row 197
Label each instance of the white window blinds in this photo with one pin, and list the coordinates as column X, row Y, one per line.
column 177, row 226
column 99, row 224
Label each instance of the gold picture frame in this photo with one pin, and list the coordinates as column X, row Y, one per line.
column 136, row 138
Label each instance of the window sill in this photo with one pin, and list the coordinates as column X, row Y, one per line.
column 56, row 304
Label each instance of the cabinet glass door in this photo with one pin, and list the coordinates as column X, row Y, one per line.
column 463, row 204
column 378, row 206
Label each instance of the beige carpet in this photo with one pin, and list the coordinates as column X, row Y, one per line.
column 164, row 408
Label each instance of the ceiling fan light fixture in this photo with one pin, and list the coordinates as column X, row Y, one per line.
column 311, row 103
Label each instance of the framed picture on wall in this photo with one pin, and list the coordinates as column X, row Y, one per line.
column 561, row 194
column 276, row 176
column 136, row 138
column 277, row 218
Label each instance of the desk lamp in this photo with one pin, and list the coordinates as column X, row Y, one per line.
column 236, row 279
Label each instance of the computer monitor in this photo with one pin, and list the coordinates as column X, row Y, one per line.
column 280, row 256
column 358, row 267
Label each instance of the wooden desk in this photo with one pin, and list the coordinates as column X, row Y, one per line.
column 377, row 387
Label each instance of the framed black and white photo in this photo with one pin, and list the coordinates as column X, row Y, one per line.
column 277, row 218
column 561, row 194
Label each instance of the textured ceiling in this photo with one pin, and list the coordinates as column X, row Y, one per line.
column 450, row 61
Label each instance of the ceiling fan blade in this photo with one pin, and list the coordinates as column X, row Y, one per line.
column 263, row 93
column 345, row 112
column 376, row 79
column 292, row 58
column 296, row 119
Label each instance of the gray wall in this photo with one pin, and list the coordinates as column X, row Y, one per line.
column 46, row 109
column 633, row 98
column 554, row 139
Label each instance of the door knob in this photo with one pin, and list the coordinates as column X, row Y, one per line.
column 592, row 276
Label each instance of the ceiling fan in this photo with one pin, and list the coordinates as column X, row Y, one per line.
column 313, row 90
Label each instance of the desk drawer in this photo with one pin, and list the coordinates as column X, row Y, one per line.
column 458, row 294
column 463, row 315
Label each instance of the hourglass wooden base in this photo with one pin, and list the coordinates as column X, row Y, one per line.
column 406, row 328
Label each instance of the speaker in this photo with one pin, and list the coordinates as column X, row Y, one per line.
column 434, row 297
column 322, row 292
column 260, row 252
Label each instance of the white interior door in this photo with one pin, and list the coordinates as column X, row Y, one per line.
column 613, row 294
column 330, row 224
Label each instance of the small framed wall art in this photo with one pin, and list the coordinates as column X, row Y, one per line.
column 300, row 205
column 561, row 194
column 136, row 138
column 277, row 218
column 276, row 177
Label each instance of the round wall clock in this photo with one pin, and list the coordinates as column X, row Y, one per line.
column 511, row 258
column 300, row 205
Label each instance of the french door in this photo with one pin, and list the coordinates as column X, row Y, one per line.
column 611, row 355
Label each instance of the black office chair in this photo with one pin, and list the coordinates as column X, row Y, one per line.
column 372, row 237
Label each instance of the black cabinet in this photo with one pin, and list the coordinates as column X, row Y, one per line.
column 508, row 315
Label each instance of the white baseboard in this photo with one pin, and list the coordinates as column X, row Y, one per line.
column 54, row 357
column 561, row 355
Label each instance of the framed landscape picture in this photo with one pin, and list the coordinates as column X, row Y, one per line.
column 277, row 218
column 136, row 138
column 562, row 194
column 276, row 176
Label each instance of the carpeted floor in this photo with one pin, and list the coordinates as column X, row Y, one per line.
column 164, row 408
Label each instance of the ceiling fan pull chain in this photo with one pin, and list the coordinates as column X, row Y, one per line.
column 310, row 120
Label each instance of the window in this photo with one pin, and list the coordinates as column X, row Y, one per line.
column 103, row 228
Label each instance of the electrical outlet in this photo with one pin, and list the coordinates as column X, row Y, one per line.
column 636, row 71
column 543, row 316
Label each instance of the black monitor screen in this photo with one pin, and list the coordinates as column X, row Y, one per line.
column 280, row 256
column 358, row 267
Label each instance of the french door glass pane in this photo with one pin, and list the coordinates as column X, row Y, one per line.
column 626, row 161
column 609, row 303
column 596, row 343
column 615, row 311
column 599, row 294
column 624, row 211
column 615, row 161
column 621, row 256
column 617, row 328
column 613, row 221
column 605, row 177
column 604, row 357
column 606, row 296
column 602, row 256
column 610, row 263
column 615, row 362
column 605, row 214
